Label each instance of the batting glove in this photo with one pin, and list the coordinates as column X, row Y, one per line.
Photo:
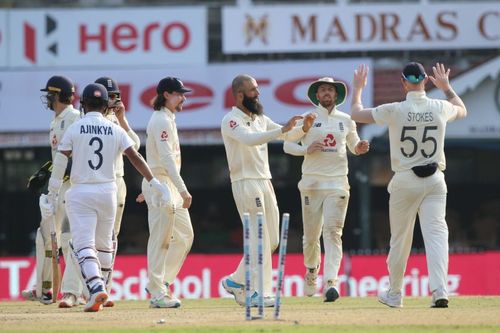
column 162, row 196
column 47, row 205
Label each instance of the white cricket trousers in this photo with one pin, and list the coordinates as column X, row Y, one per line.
column 253, row 196
column 324, row 210
column 411, row 195
column 121, row 194
column 91, row 210
column 170, row 238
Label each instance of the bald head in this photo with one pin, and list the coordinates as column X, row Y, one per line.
column 238, row 84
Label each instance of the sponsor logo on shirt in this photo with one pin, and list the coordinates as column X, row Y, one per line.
column 306, row 200
column 233, row 124
column 317, row 125
column 164, row 136
column 258, row 202
column 330, row 143
column 54, row 141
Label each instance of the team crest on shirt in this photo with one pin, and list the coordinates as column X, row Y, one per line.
column 341, row 126
column 164, row 136
column 62, row 124
column 316, row 125
column 306, row 200
column 233, row 124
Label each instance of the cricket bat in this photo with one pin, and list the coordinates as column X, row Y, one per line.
column 56, row 271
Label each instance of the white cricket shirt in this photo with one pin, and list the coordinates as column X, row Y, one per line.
column 326, row 169
column 245, row 139
column 96, row 144
column 417, row 128
column 60, row 124
column 137, row 143
column 163, row 151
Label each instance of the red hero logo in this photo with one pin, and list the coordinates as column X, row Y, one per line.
column 329, row 141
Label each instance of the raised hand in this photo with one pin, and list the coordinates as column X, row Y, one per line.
column 360, row 76
column 441, row 77
column 291, row 124
column 308, row 121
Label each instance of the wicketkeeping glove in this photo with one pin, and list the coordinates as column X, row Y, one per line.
column 38, row 180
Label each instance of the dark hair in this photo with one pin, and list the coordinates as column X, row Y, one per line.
column 94, row 104
column 159, row 102
column 65, row 98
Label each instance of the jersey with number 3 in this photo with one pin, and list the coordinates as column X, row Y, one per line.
column 417, row 128
column 96, row 143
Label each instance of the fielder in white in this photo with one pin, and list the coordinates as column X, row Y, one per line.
column 116, row 114
column 60, row 94
column 324, row 187
column 170, row 230
column 95, row 144
column 246, row 132
column 417, row 129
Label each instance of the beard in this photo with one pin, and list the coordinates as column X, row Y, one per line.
column 253, row 105
column 327, row 102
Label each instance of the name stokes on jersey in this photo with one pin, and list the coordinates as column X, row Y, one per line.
column 96, row 129
column 420, row 117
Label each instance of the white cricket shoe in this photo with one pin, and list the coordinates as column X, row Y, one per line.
column 310, row 281
column 164, row 301
column 439, row 298
column 393, row 300
column 68, row 301
column 235, row 289
column 330, row 293
column 29, row 295
column 268, row 301
column 98, row 297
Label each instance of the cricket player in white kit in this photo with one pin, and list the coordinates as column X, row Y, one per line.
column 95, row 144
column 417, row 129
column 60, row 94
column 170, row 230
column 246, row 132
column 116, row 114
column 324, row 187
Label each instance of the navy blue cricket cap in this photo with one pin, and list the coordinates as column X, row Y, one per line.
column 414, row 72
column 109, row 83
column 171, row 84
column 59, row 84
column 94, row 91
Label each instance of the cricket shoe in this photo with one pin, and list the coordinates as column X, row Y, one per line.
column 164, row 301
column 98, row 297
column 393, row 300
column 439, row 299
column 268, row 301
column 310, row 281
column 109, row 304
column 330, row 293
column 235, row 289
column 29, row 295
column 68, row 301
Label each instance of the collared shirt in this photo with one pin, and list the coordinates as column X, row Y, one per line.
column 137, row 143
column 59, row 125
column 245, row 139
column 96, row 144
column 417, row 128
column 162, row 147
column 327, row 168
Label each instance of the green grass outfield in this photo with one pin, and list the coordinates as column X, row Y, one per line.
column 299, row 314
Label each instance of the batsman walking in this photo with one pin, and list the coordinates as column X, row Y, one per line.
column 417, row 129
column 246, row 132
column 95, row 144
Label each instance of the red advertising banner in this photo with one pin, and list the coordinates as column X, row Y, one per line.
column 200, row 277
